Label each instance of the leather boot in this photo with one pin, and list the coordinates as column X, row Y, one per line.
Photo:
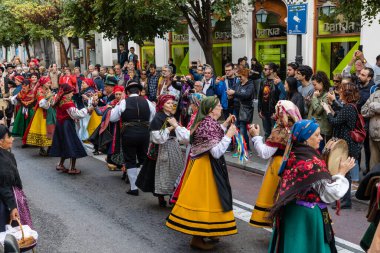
column 197, row 242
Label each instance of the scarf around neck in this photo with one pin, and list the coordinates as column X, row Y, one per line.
column 207, row 135
column 302, row 177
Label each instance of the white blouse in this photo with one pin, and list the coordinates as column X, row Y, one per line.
column 263, row 150
column 120, row 108
column 77, row 114
column 335, row 190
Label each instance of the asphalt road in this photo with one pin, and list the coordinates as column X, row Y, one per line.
column 92, row 213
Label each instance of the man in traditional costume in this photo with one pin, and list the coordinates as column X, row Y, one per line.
column 135, row 113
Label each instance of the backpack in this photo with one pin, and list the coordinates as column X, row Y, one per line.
column 359, row 133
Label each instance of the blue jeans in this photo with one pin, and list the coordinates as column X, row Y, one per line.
column 268, row 124
column 355, row 172
column 242, row 125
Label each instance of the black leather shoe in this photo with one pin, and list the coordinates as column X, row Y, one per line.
column 124, row 176
column 133, row 192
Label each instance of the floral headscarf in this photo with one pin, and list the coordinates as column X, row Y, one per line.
column 286, row 115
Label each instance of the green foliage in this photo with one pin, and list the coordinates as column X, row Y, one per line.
column 352, row 9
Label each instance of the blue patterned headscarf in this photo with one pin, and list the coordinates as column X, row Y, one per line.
column 301, row 131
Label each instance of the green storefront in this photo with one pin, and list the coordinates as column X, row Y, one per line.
column 337, row 40
column 222, row 46
column 270, row 41
column 147, row 53
column 179, row 48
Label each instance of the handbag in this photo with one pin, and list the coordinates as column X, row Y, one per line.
column 245, row 113
column 358, row 134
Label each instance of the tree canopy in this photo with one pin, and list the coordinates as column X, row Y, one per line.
column 367, row 10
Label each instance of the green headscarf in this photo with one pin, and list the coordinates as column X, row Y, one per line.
column 207, row 105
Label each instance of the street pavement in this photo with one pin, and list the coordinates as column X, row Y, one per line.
column 92, row 213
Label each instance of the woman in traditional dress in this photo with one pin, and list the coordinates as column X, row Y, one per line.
column 286, row 114
column 26, row 98
column 115, row 160
column 84, row 99
column 204, row 206
column 302, row 222
column 41, row 129
column 165, row 162
column 184, row 136
column 66, row 143
column 13, row 203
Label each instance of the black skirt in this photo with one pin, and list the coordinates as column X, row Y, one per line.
column 145, row 179
column 66, row 143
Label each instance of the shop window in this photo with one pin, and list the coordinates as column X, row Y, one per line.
column 180, row 55
column 272, row 51
column 147, row 54
column 333, row 54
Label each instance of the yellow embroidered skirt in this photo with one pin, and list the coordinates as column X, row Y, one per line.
column 265, row 198
column 198, row 210
column 94, row 122
column 37, row 135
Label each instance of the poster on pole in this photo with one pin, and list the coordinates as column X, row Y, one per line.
column 297, row 19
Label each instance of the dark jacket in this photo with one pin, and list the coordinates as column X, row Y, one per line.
column 364, row 92
column 298, row 100
column 257, row 68
column 269, row 94
column 123, row 57
column 244, row 94
column 342, row 124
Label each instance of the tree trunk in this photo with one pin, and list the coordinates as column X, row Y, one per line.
column 26, row 42
column 6, row 53
column 65, row 60
column 208, row 55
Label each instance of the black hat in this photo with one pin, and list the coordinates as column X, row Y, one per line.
column 131, row 84
column 9, row 65
column 2, row 68
column 110, row 80
column 362, row 193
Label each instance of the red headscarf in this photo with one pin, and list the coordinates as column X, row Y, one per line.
column 118, row 89
column 162, row 100
column 44, row 80
column 89, row 82
column 63, row 90
column 20, row 78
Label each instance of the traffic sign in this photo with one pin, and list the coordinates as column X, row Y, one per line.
column 297, row 17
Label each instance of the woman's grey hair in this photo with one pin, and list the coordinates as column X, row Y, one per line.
column 169, row 68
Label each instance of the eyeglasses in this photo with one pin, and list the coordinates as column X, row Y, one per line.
column 228, row 70
column 337, row 81
column 143, row 74
column 265, row 69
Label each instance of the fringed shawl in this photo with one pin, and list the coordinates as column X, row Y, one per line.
column 207, row 135
column 302, row 177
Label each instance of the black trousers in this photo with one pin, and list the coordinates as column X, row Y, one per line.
column 135, row 143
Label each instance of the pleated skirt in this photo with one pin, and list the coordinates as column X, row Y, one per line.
column 37, row 135
column 93, row 123
column 301, row 229
column 66, row 143
column 21, row 122
column 266, row 198
column 198, row 210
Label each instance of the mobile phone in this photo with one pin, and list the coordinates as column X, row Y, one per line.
column 360, row 48
column 331, row 90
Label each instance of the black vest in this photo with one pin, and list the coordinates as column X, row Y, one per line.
column 136, row 110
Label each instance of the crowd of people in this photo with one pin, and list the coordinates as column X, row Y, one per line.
column 139, row 115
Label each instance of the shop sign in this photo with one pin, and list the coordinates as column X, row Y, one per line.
column 181, row 37
column 223, row 35
column 267, row 32
column 341, row 27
